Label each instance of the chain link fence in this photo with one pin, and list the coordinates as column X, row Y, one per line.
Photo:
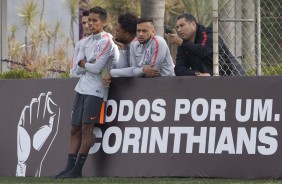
column 252, row 31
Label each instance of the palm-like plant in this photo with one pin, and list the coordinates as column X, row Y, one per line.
column 15, row 50
column 73, row 6
column 42, row 10
column 55, row 32
column 43, row 26
column 13, row 29
column 37, row 35
column 88, row 4
column 28, row 13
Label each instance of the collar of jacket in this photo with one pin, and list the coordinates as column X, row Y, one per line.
column 147, row 43
column 98, row 36
column 197, row 35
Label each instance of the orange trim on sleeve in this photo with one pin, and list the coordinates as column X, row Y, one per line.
column 157, row 50
column 205, row 38
column 71, row 64
column 102, row 114
column 107, row 45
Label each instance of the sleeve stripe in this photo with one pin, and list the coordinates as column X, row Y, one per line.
column 205, row 38
column 107, row 45
column 157, row 50
column 72, row 61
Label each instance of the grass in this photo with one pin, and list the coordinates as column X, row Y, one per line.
column 111, row 180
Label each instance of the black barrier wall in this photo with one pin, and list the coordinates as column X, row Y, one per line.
column 169, row 126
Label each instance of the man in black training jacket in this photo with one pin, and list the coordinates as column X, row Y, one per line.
column 195, row 50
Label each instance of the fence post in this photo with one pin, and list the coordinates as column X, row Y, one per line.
column 248, row 32
column 258, row 38
column 3, row 35
column 215, row 37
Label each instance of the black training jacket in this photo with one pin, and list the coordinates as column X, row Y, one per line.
column 198, row 56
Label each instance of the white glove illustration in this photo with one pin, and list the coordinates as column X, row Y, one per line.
column 37, row 129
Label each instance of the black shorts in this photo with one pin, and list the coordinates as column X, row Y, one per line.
column 88, row 109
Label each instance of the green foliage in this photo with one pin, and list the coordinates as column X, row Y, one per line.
column 201, row 9
column 45, row 46
column 65, row 75
column 20, row 74
column 267, row 70
column 271, row 31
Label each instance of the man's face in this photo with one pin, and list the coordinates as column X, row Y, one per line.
column 96, row 25
column 85, row 26
column 186, row 30
column 121, row 35
column 145, row 31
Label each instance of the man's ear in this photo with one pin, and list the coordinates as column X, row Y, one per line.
column 127, row 34
column 153, row 32
column 194, row 24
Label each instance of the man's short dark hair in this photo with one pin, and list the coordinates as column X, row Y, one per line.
column 188, row 17
column 128, row 22
column 100, row 11
column 85, row 13
column 145, row 19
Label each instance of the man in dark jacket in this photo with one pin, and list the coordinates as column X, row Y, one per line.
column 195, row 50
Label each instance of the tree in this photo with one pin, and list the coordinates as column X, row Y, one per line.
column 73, row 6
column 28, row 14
column 227, row 28
column 154, row 9
column 201, row 9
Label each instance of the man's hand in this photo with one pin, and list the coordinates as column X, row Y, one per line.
column 37, row 129
column 107, row 80
column 120, row 45
column 149, row 71
column 82, row 63
column 203, row 74
column 174, row 38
